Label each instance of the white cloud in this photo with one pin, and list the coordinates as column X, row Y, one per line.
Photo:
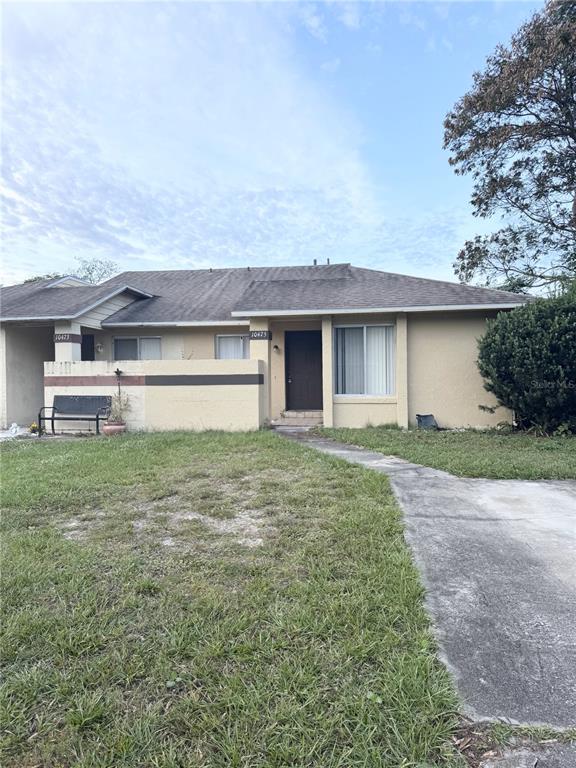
column 173, row 137
column 332, row 65
column 374, row 49
column 410, row 18
column 349, row 14
column 189, row 135
column 312, row 19
column 447, row 44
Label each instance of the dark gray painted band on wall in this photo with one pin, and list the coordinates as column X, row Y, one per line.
column 204, row 380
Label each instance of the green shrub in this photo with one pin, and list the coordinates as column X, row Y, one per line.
column 528, row 360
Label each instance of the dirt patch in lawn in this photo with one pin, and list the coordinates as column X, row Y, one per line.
column 79, row 528
column 248, row 527
column 191, row 511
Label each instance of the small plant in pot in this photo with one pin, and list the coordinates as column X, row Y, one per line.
column 116, row 423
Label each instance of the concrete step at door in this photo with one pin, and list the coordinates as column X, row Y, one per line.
column 299, row 419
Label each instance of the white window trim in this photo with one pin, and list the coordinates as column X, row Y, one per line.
column 138, row 339
column 230, row 336
column 392, row 397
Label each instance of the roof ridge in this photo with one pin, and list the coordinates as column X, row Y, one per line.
column 300, row 280
column 247, row 268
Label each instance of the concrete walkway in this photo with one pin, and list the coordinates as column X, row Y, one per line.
column 498, row 559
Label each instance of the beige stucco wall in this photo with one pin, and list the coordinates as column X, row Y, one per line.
column 350, row 411
column 443, row 377
column 172, row 342
column 177, row 343
column 3, row 399
column 230, row 407
column 200, row 343
column 436, row 372
column 23, row 350
column 327, row 372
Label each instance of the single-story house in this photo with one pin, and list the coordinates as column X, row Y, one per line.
column 240, row 348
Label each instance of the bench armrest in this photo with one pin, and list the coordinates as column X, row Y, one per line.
column 42, row 417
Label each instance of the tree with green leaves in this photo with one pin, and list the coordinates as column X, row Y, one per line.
column 514, row 133
column 528, row 360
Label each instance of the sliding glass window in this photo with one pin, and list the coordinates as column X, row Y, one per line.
column 364, row 359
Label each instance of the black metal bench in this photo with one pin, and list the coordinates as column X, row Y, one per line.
column 76, row 408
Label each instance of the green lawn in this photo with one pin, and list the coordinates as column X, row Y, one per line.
column 211, row 600
column 472, row 453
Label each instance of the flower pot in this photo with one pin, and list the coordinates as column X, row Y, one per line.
column 114, row 428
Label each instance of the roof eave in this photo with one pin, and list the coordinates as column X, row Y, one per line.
column 35, row 317
column 375, row 310
column 175, row 324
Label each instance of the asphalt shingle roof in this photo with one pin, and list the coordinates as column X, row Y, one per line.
column 180, row 296
column 204, row 296
column 367, row 289
column 44, row 299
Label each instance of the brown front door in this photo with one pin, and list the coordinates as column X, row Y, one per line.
column 303, row 370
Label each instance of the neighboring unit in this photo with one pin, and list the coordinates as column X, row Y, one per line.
column 239, row 348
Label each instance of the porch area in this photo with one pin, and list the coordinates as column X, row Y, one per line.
column 339, row 370
column 334, row 370
column 286, row 371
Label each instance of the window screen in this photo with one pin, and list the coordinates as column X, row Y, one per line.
column 125, row 349
column 232, row 347
column 150, row 349
column 349, row 361
column 364, row 360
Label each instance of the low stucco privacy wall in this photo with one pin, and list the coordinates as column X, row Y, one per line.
column 169, row 394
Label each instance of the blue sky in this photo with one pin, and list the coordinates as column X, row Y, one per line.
column 187, row 135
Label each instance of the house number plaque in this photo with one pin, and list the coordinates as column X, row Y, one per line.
column 260, row 335
column 75, row 338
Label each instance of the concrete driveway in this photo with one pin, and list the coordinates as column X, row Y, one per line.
column 498, row 559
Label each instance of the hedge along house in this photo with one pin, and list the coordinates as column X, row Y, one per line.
column 236, row 349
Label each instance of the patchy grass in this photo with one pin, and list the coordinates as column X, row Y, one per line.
column 472, row 453
column 183, row 600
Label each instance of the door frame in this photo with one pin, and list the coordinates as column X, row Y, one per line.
column 288, row 331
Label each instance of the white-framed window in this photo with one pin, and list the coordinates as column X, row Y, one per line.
column 137, row 348
column 232, row 346
column 364, row 360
